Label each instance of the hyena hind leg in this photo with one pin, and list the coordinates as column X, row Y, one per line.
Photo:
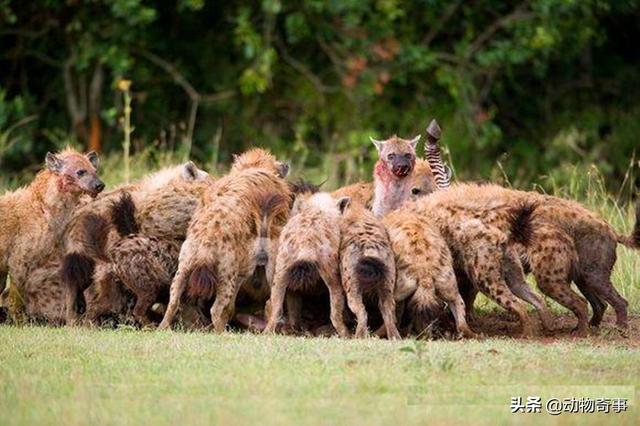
column 447, row 290
column 514, row 275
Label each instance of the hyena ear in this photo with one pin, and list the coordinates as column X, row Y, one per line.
column 343, row 203
column 93, row 159
column 53, row 163
column 189, row 171
column 283, row 169
column 377, row 143
column 414, row 142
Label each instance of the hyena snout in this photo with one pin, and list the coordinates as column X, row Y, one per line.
column 97, row 186
column 93, row 186
column 401, row 167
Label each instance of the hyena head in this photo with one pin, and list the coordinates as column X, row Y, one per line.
column 423, row 182
column 191, row 173
column 396, row 156
column 319, row 201
column 262, row 159
column 77, row 172
column 175, row 176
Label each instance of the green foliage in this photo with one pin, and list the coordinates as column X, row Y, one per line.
column 535, row 84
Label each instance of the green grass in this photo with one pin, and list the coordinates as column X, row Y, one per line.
column 79, row 376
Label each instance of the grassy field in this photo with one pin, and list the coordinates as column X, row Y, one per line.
column 80, row 376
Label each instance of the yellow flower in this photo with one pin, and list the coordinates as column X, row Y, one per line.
column 124, row 85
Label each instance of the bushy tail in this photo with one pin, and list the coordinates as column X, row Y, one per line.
column 271, row 207
column 77, row 268
column 123, row 216
column 521, row 229
column 302, row 275
column 202, row 283
column 633, row 240
column 424, row 307
column 371, row 272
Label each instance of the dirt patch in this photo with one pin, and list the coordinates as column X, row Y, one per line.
column 502, row 324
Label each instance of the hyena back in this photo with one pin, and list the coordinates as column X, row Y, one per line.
column 308, row 260
column 367, row 267
column 219, row 251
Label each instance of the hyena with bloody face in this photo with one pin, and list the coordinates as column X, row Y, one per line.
column 165, row 202
column 33, row 222
column 392, row 173
column 308, row 261
column 392, row 177
column 368, row 267
column 219, row 254
column 427, row 176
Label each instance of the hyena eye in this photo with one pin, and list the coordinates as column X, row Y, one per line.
column 415, row 191
column 391, row 156
column 408, row 156
column 81, row 173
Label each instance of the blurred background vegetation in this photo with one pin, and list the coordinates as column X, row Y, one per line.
column 528, row 91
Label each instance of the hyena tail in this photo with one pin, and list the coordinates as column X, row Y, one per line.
column 520, row 223
column 371, row 272
column 77, row 268
column 633, row 240
column 302, row 274
column 202, row 283
column 424, row 307
column 123, row 216
column 271, row 206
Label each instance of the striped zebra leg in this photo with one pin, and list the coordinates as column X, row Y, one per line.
column 441, row 173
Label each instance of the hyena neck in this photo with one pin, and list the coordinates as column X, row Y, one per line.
column 50, row 192
column 389, row 191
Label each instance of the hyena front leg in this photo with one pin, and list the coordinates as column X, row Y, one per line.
column 144, row 301
column 109, row 297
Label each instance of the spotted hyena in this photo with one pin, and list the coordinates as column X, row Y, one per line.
column 480, row 236
column 218, row 256
column 569, row 243
column 33, row 222
column 428, row 175
column 424, row 269
column 165, row 202
column 368, row 267
column 308, row 261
